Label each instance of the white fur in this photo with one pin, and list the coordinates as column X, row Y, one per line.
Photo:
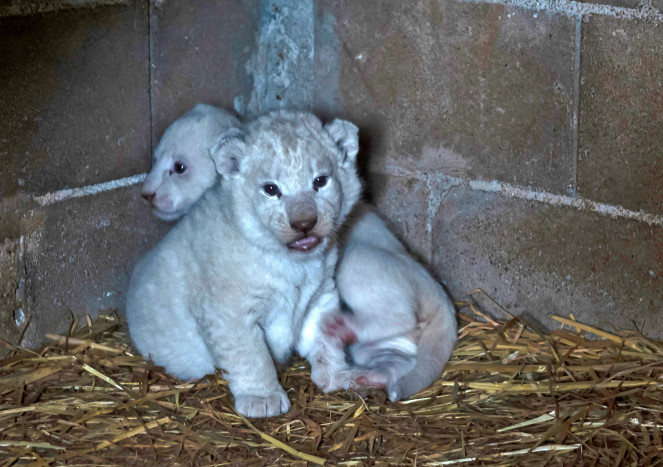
column 187, row 141
column 223, row 289
column 403, row 320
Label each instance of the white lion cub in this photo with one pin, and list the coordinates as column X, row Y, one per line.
column 399, row 322
column 181, row 167
column 230, row 285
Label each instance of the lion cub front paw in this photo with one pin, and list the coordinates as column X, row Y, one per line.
column 262, row 406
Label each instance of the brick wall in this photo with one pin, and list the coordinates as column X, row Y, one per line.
column 518, row 147
column 519, row 150
column 515, row 146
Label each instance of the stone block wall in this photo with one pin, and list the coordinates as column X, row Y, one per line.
column 515, row 146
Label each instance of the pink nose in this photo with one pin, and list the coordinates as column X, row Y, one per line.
column 304, row 225
column 148, row 196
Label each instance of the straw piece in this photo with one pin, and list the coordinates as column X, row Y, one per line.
column 281, row 445
column 544, row 386
column 99, row 374
column 75, row 341
column 29, row 445
column 586, row 328
column 27, row 378
column 546, row 417
column 134, row 432
column 548, row 448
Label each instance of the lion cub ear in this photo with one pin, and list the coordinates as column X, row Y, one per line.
column 227, row 152
column 346, row 136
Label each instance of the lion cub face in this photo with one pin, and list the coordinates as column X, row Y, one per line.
column 182, row 168
column 292, row 179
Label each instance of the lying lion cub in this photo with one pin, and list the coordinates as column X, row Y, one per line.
column 231, row 284
column 399, row 323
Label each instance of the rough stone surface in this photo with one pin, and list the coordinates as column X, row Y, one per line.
column 12, row 311
column 403, row 203
column 658, row 4
column 80, row 260
column 621, row 113
column 12, row 212
column 326, row 97
column 75, row 98
column 481, row 90
column 31, row 7
column 200, row 51
column 617, row 3
column 281, row 64
column 606, row 272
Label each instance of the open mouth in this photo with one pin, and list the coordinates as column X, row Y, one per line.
column 304, row 244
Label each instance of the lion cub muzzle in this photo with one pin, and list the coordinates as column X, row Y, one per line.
column 303, row 217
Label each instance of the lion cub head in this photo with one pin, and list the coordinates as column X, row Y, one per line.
column 292, row 180
column 181, row 168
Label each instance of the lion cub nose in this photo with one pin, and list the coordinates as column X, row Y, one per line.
column 148, row 196
column 304, row 225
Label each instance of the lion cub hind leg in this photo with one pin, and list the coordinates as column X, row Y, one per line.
column 384, row 360
column 357, row 379
column 376, row 364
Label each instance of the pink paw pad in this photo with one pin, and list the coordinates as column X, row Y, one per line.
column 335, row 326
column 367, row 382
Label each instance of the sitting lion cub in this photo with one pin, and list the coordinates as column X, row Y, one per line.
column 231, row 284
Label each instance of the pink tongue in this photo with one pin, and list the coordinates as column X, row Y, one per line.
column 304, row 244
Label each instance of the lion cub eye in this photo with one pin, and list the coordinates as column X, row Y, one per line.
column 271, row 189
column 179, row 168
column 319, row 182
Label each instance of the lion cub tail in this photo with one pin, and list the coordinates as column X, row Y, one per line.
column 437, row 315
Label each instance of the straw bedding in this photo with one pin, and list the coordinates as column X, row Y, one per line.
column 509, row 396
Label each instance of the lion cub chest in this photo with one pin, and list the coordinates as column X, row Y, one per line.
column 285, row 299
